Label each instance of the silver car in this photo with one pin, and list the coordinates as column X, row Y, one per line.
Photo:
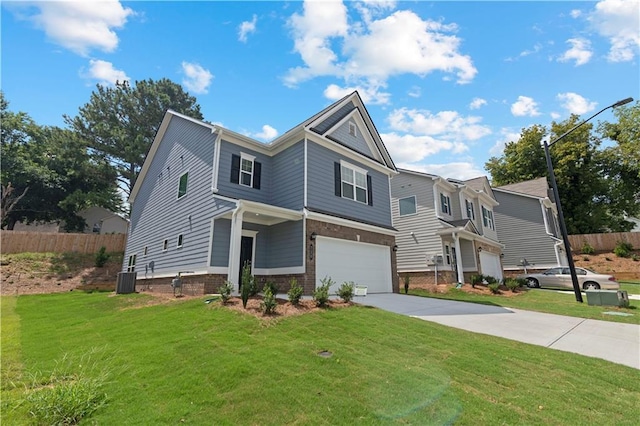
column 561, row 278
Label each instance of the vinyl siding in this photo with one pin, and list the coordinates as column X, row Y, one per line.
column 468, row 255
column 220, row 243
column 521, row 229
column 333, row 119
column 286, row 245
column 158, row 214
column 287, row 173
column 321, row 193
column 413, row 250
column 358, row 143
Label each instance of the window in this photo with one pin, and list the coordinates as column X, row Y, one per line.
column 132, row 263
column 447, row 254
column 353, row 130
column 487, row 218
column 182, row 187
column 445, row 204
column 145, row 251
column 407, row 205
column 354, row 183
column 245, row 170
column 471, row 214
column 180, row 241
column 165, row 245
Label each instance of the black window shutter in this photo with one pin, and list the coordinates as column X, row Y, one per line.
column 338, row 179
column 235, row 168
column 369, row 191
column 257, row 168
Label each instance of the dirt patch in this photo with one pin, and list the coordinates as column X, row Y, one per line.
column 609, row 263
column 467, row 288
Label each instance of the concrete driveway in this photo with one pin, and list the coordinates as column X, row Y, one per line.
column 615, row 342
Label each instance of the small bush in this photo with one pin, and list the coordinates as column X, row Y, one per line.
column 225, row 291
column 490, row 280
column 476, row 279
column 635, row 257
column 346, row 290
column 321, row 294
column 494, row 287
column 295, row 292
column 248, row 285
column 271, row 286
column 101, row 257
column 512, row 284
column 623, row 249
column 269, row 303
column 587, row 248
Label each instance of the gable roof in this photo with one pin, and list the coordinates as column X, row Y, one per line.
column 536, row 187
column 384, row 159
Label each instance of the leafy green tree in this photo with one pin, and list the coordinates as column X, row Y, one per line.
column 51, row 174
column 522, row 160
column 121, row 122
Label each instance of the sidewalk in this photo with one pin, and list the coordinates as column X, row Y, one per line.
column 612, row 341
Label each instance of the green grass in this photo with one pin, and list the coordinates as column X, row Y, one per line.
column 630, row 286
column 196, row 363
column 549, row 301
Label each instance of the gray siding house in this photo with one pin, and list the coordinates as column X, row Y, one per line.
column 529, row 226
column 446, row 228
column 313, row 203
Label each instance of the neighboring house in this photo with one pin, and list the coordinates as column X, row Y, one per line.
column 311, row 204
column 98, row 220
column 446, row 228
column 529, row 226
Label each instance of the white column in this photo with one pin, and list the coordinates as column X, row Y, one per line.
column 235, row 241
column 456, row 241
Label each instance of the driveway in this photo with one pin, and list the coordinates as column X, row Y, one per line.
column 615, row 342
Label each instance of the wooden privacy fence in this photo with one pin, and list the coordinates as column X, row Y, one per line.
column 604, row 242
column 40, row 242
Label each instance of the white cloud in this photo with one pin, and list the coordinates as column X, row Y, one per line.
column 197, row 79
column 554, row 115
column 576, row 13
column 246, row 28
column 525, row 106
column 461, row 170
column 415, row 92
column 370, row 94
column 477, row 103
column 575, row 103
column 267, row 133
column 405, row 148
column 580, row 51
column 104, row 72
column 506, row 136
column 375, row 49
column 79, row 26
column 619, row 21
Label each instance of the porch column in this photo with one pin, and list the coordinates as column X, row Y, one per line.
column 456, row 242
column 234, row 248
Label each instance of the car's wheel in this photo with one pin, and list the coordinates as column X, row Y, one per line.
column 532, row 283
column 590, row 285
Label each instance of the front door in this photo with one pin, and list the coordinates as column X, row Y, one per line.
column 246, row 255
column 454, row 259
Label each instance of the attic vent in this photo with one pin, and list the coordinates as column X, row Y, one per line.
column 353, row 129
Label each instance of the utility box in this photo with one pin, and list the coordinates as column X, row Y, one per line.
column 126, row 283
column 360, row 290
column 607, row 298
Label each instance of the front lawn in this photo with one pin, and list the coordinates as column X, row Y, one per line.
column 550, row 301
column 196, row 363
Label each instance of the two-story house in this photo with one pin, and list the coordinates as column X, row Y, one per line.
column 446, row 228
column 529, row 226
column 313, row 203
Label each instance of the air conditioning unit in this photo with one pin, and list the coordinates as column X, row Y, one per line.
column 434, row 259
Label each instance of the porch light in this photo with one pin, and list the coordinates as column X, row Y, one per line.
column 395, row 247
column 313, row 236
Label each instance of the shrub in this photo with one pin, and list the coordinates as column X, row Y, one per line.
column 490, row 280
column 407, row 278
column 295, row 292
column 585, row 258
column 476, row 279
column 248, row 285
column 225, row 291
column 321, row 294
column 623, row 249
column 101, row 257
column 587, row 248
column 345, row 292
column 511, row 283
column 271, row 286
column 635, row 257
column 269, row 303
column 494, row 287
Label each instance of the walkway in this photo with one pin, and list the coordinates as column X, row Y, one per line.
column 612, row 341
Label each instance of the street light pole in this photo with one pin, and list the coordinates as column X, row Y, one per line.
column 556, row 196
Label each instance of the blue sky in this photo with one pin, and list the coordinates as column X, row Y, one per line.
column 446, row 83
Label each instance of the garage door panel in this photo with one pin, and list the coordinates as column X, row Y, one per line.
column 490, row 265
column 362, row 263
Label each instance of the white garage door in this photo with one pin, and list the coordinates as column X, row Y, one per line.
column 364, row 264
column 490, row 265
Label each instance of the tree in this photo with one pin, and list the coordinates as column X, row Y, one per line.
column 48, row 175
column 589, row 179
column 121, row 122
